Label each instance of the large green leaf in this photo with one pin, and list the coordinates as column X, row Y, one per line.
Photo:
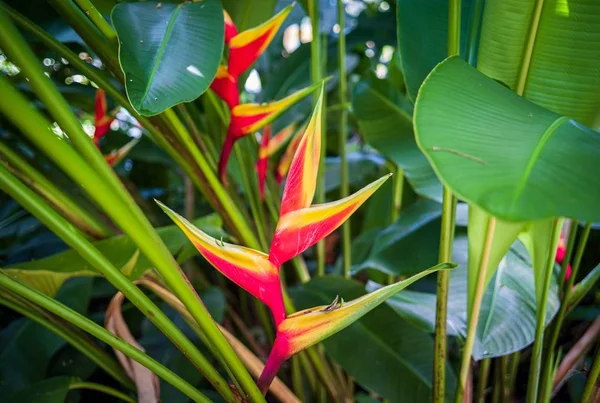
column 249, row 13
column 496, row 150
column 422, row 28
column 403, row 248
column 381, row 351
column 48, row 274
column 508, row 309
column 169, row 52
column 556, row 65
column 384, row 117
column 52, row 390
column 28, row 351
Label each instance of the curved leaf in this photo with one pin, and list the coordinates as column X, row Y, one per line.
column 558, row 69
column 386, row 124
column 169, row 52
column 510, row 157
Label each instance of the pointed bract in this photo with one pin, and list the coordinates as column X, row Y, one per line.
column 246, row 267
column 302, row 178
column 299, row 230
column 115, row 156
column 247, row 46
column 279, row 140
column 286, row 159
column 263, row 161
column 226, row 87
column 308, row 327
column 102, row 120
column 248, row 118
column 230, row 28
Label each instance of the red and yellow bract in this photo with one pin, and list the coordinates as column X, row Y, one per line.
column 263, row 161
column 102, row 120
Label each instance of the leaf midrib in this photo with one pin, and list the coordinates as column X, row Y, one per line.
column 161, row 50
column 535, row 156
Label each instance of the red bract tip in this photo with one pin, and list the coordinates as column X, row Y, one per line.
column 226, row 87
column 101, row 119
column 230, row 28
column 247, row 46
column 246, row 267
column 115, row 156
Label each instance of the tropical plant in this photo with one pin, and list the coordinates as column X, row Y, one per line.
column 484, row 117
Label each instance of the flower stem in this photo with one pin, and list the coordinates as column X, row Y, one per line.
column 484, row 372
column 97, row 18
column 476, row 308
column 536, row 355
column 547, row 373
column 343, row 134
column 316, row 74
column 592, row 379
column 445, row 252
column 102, row 388
column 102, row 334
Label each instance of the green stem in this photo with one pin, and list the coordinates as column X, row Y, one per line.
column 592, row 379
column 484, row 372
column 476, row 308
column 397, row 190
column 297, row 383
column 90, row 34
column 343, row 135
column 101, row 334
column 547, row 374
column 97, row 18
column 536, row 355
column 79, row 341
column 316, row 74
column 102, row 388
column 123, row 209
column 77, row 215
column 58, row 225
column 445, row 255
column 513, row 367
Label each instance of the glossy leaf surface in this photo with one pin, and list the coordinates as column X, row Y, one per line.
column 503, row 153
column 169, row 52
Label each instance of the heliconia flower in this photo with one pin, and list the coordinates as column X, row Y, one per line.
column 263, row 161
column 102, row 120
column 561, row 251
column 307, row 328
column 246, row 267
column 279, row 140
column 115, row 156
column 230, row 28
column 286, row 159
column 226, row 87
column 247, row 46
column 248, row 118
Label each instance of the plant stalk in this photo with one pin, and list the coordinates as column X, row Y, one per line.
column 482, row 380
column 547, row 374
column 445, row 253
column 343, row 135
column 101, row 334
column 474, row 314
column 98, row 19
column 536, row 355
column 592, row 379
column 102, row 388
column 316, row 74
